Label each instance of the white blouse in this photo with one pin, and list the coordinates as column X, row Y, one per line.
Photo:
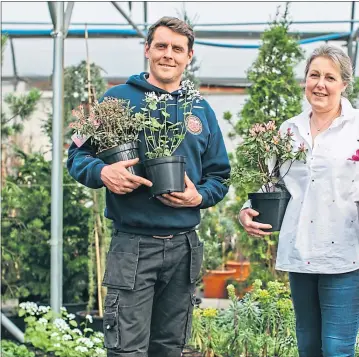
column 320, row 230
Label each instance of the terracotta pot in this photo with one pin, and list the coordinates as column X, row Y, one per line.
column 240, row 294
column 214, row 283
column 242, row 269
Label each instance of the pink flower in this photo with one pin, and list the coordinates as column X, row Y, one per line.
column 289, row 132
column 302, row 147
column 355, row 157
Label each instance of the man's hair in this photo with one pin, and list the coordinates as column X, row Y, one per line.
column 175, row 25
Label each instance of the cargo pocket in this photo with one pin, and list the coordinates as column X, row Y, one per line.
column 121, row 264
column 196, row 261
column 110, row 322
column 188, row 330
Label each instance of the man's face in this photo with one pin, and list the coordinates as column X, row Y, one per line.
column 168, row 57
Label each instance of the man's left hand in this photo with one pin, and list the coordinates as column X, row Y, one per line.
column 189, row 198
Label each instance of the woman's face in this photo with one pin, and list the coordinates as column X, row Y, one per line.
column 324, row 85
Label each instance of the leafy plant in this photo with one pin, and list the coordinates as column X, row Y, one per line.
column 274, row 95
column 75, row 93
column 354, row 95
column 11, row 349
column 109, row 123
column 219, row 233
column 60, row 334
column 26, row 227
column 261, row 324
column 263, row 153
column 163, row 136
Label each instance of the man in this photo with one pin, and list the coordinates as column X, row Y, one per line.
column 155, row 255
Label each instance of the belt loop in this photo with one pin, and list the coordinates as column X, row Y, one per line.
column 188, row 235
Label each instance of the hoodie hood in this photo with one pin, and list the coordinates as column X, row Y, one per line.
column 140, row 81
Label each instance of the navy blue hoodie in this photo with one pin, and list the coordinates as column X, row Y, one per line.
column 207, row 165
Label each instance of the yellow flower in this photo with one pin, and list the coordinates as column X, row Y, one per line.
column 210, row 312
column 197, row 312
column 231, row 291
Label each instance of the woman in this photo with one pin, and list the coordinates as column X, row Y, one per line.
column 319, row 238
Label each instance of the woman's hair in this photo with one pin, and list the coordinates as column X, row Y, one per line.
column 339, row 57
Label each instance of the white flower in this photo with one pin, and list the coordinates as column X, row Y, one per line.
column 76, row 330
column 81, row 349
column 165, row 97
column 54, row 334
column 66, row 337
column 89, row 317
column 61, row 325
column 75, row 95
column 29, row 307
column 57, row 345
column 99, row 351
column 71, row 316
column 44, row 309
column 63, row 309
column 96, row 340
column 43, row 321
column 86, row 341
column 99, row 334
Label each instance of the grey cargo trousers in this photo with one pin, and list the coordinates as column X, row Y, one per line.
column 150, row 297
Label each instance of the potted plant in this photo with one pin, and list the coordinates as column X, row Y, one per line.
column 112, row 128
column 217, row 231
column 263, row 152
column 163, row 136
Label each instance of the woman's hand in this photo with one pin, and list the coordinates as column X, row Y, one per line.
column 245, row 217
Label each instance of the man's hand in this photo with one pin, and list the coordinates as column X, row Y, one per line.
column 119, row 180
column 245, row 217
column 189, row 198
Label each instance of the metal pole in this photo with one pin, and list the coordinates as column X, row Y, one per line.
column 118, row 7
column 352, row 17
column 145, row 66
column 14, row 64
column 351, row 36
column 12, row 328
column 57, row 156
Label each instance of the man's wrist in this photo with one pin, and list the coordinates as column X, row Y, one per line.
column 199, row 200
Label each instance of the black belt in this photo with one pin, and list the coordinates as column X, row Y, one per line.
column 172, row 235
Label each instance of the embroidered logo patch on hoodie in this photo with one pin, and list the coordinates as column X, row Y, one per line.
column 194, row 125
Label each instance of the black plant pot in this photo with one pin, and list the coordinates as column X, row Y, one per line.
column 123, row 152
column 271, row 207
column 166, row 174
column 96, row 325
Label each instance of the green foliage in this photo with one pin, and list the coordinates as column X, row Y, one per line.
column 217, row 230
column 275, row 96
column 163, row 136
column 274, row 93
column 11, row 349
column 263, row 152
column 109, row 123
column 75, row 93
column 354, row 95
column 261, row 324
column 20, row 107
column 26, row 232
column 60, row 333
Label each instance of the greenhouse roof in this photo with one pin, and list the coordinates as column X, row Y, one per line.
column 227, row 34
